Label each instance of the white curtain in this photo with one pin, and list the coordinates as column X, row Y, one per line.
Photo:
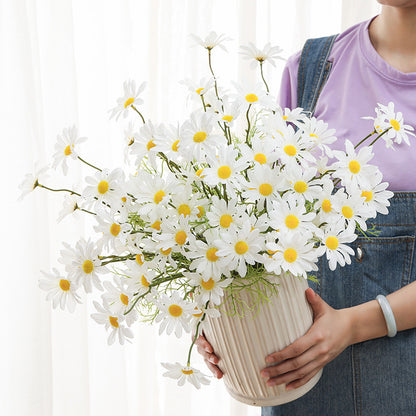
column 64, row 62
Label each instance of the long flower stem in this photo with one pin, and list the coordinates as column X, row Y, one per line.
column 188, row 361
column 85, row 210
column 58, row 190
column 262, row 76
column 138, row 112
column 248, row 125
column 203, row 102
column 381, row 134
column 212, row 72
column 365, row 138
column 89, row 164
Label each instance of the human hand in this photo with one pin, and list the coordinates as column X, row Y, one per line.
column 206, row 350
column 328, row 336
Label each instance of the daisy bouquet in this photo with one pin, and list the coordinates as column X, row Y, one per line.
column 240, row 190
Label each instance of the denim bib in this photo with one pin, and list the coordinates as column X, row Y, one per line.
column 375, row 377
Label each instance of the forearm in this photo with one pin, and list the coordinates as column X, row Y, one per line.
column 367, row 319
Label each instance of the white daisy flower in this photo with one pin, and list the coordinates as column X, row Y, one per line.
column 262, row 151
column 223, row 214
column 240, row 246
column 211, row 40
column 353, row 168
column 224, row 110
column 211, row 289
column 175, row 235
column 129, row 98
column 82, row 264
column 144, row 145
column 184, row 373
column 31, row 181
column 65, row 147
column 325, row 202
column 174, row 314
column 263, row 184
column 246, row 96
column 204, row 256
column 292, row 253
column 301, row 181
column 62, row 291
column 295, row 116
column 197, row 89
column 376, row 196
column 105, row 187
column 187, row 204
column 317, row 134
column 130, row 135
column 268, row 53
column 333, row 237
column 398, row 130
column 119, row 298
column 70, row 205
column 162, row 257
column 140, row 274
column 168, row 142
column 289, row 215
column 200, row 137
column 225, row 168
column 199, row 316
column 113, row 323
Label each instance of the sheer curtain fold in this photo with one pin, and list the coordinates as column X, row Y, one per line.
column 64, row 63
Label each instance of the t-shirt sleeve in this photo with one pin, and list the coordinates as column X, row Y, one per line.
column 289, row 83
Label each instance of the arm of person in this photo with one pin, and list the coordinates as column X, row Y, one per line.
column 332, row 331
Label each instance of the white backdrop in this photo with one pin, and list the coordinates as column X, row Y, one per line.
column 64, row 62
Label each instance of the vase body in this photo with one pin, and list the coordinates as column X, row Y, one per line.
column 242, row 343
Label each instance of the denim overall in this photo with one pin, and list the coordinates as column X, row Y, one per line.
column 376, row 377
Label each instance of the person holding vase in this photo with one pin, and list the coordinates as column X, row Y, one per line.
column 364, row 316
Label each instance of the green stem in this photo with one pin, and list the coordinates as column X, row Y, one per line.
column 89, row 164
column 188, row 361
column 381, row 134
column 262, row 76
column 212, row 72
column 203, row 103
column 365, row 138
column 59, row 190
column 138, row 112
column 85, row 210
column 248, row 125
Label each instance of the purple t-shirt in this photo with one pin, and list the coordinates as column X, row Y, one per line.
column 360, row 79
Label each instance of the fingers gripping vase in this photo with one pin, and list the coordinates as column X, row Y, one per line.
column 242, row 343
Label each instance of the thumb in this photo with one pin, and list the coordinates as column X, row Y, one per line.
column 318, row 305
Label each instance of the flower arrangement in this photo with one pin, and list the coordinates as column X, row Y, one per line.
column 240, row 189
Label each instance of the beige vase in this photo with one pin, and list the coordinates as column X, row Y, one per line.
column 242, row 343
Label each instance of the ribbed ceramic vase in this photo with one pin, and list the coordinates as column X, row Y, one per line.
column 242, row 343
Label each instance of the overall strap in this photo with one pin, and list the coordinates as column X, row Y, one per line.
column 313, row 71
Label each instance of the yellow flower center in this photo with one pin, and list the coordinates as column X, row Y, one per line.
column 241, row 247
column 313, row 135
column 224, row 172
column 347, row 212
column 260, row 158
column 180, row 237
column 175, row 146
column 68, row 150
column 265, row 189
column 211, row 254
column 144, row 281
column 290, row 255
column 139, row 259
column 326, row 205
column 124, row 299
column 252, row 98
column 199, row 136
column 368, row 195
column 184, row 210
column 354, row 166
column 198, row 91
column 290, row 150
column 88, row 266
column 300, row 187
column 201, row 211
column 271, row 252
column 198, row 173
column 128, row 102
column 175, row 310
column 113, row 321
column 156, row 225
column 291, row 221
column 187, row 372
column 226, row 220
column 102, row 187
column 115, row 229
column 197, row 314
column 64, row 285
column 332, row 243
column 395, row 124
column 124, row 199
column 158, row 196
column 207, row 285
column 284, row 117
column 150, row 145
column 165, row 252
column 228, row 118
